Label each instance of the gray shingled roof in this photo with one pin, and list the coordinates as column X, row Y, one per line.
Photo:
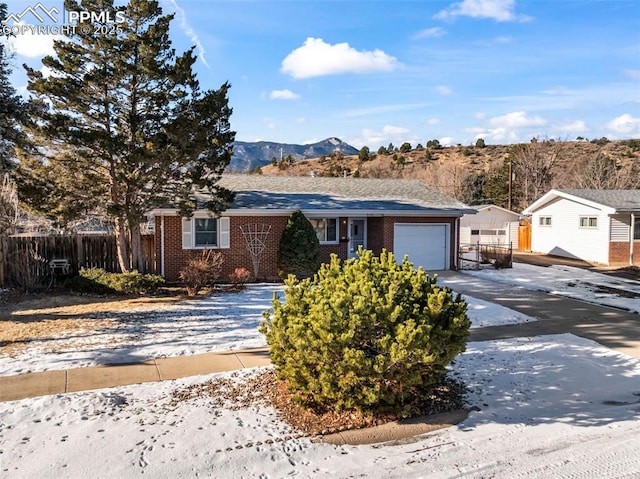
column 620, row 200
column 288, row 192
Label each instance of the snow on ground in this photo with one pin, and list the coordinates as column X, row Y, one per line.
column 220, row 322
column 551, row 406
column 569, row 281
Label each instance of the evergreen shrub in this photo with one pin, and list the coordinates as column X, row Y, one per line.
column 299, row 248
column 366, row 334
column 99, row 281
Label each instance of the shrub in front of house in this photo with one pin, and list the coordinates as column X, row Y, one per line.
column 202, row 271
column 239, row 278
column 99, row 281
column 299, row 248
column 366, row 334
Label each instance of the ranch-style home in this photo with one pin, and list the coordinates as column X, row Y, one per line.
column 403, row 216
column 600, row 226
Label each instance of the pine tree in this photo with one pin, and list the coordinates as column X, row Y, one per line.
column 12, row 112
column 367, row 334
column 125, row 127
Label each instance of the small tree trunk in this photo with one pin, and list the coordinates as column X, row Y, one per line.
column 137, row 260
column 122, row 252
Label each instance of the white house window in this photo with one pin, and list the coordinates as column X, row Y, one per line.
column 206, row 232
column 588, row 222
column 545, row 221
column 326, row 229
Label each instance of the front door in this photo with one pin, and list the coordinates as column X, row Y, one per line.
column 357, row 235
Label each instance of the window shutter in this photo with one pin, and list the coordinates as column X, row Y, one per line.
column 187, row 233
column 223, row 225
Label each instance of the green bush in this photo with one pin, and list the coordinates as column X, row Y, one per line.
column 98, row 281
column 367, row 334
column 299, row 248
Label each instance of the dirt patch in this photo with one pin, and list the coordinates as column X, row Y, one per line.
column 28, row 318
column 264, row 388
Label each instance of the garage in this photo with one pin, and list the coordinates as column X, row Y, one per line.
column 426, row 245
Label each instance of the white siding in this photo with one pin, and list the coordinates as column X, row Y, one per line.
column 620, row 227
column 490, row 218
column 565, row 237
column 465, row 235
column 513, row 234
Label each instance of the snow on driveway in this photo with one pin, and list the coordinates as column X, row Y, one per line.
column 569, row 281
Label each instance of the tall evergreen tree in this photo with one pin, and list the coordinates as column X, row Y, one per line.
column 126, row 126
column 12, row 111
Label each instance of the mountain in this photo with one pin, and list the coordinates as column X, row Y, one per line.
column 248, row 155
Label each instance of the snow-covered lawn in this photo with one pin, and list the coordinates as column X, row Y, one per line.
column 550, row 406
column 553, row 406
column 220, row 322
column 569, row 281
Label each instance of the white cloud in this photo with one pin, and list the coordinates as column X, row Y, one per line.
column 28, row 44
column 433, row 32
column 516, row 119
column 388, row 134
column 446, row 141
column 284, row 95
column 376, row 110
column 577, row 126
column 301, row 120
column 433, row 121
column 189, row 31
column 625, row 124
column 317, row 58
column 633, row 74
column 498, row 10
column 444, row 90
column 480, row 115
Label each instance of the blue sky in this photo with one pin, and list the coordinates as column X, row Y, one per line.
column 373, row 72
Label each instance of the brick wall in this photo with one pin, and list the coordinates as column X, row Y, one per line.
column 237, row 256
column 619, row 253
column 379, row 236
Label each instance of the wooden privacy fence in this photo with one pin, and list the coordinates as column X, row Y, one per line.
column 524, row 236
column 82, row 251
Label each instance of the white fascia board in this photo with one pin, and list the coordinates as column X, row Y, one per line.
column 555, row 194
column 486, row 207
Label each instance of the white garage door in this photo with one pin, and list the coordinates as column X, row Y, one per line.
column 426, row 245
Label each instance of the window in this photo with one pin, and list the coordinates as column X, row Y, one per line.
column 636, row 229
column 206, row 230
column 475, row 232
column 545, row 221
column 588, row 222
column 326, row 229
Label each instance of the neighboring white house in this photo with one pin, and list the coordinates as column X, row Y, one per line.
column 491, row 225
column 601, row 226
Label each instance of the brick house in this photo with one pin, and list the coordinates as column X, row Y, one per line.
column 403, row 216
column 600, row 226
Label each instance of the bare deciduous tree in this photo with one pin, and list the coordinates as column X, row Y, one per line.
column 533, row 165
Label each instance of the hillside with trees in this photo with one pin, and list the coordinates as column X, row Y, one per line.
column 480, row 173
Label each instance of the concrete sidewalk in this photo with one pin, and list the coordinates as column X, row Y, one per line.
column 106, row 376
column 616, row 329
